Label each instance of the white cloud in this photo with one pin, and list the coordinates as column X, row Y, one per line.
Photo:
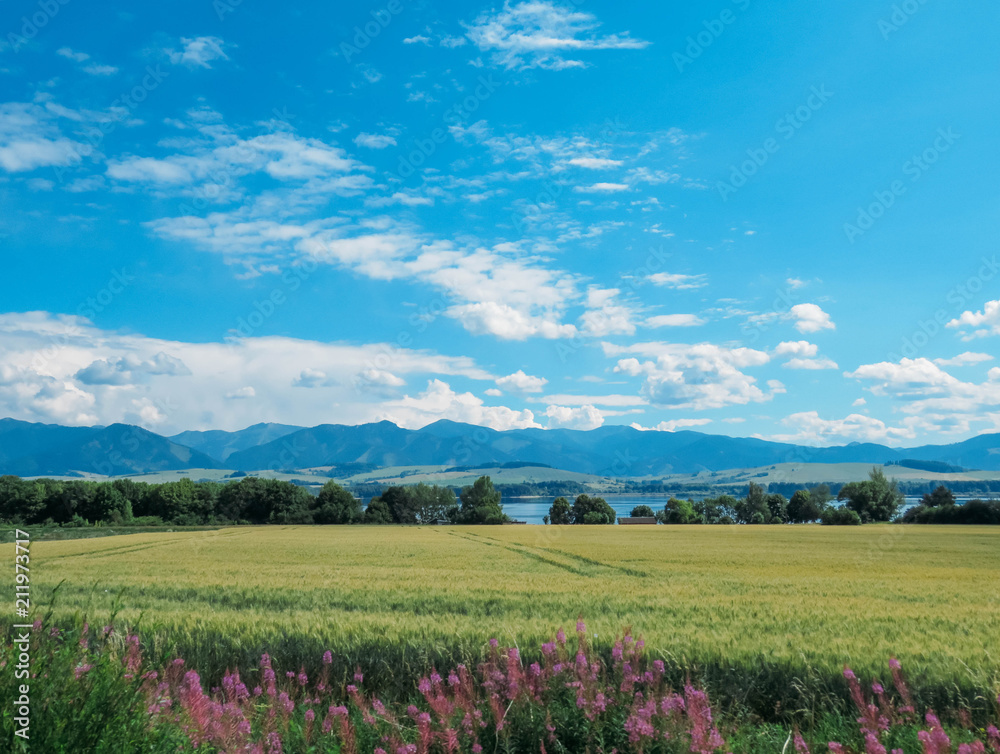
column 985, row 322
column 581, row 417
column 595, row 163
column 602, row 188
column 672, row 425
column 199, row 52
column 400, row 197
column 417, row 39
column 860, row 402
column 816, row 364
column 796, row 348
column 522, row 382
column 674, row 320
column 310, row 378
column 30, row 138
column 78, row 57
column 809, row 429
column 810, row 318
column 697, row 377
column 374, row 141
column 964, row 359
column 62, row 369
column 493, row 392
column 539, row 34
column 98, row 69
column 439, row 401
column 507, row 323
column 677, row 281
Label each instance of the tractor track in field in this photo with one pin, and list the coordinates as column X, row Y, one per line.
column 529, row 551
column 522, row 552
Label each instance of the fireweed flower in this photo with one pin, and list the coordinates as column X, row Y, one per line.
column 327, row 657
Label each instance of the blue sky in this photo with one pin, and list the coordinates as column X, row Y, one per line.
column 775, row 220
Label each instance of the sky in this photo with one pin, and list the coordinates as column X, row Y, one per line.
column 774, row 220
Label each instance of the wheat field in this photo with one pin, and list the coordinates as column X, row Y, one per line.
column 791, row 597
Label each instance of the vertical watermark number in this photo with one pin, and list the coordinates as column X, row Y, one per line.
column 22, row 640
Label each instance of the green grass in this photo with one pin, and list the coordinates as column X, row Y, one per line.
column 749, row 609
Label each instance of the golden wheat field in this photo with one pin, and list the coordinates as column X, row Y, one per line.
column 792, row 595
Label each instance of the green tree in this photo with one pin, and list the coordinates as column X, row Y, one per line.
column 876, row 499
column 592, row 510
column 840, row 517
column 939, row 497
column 778, row 508
column 642, row 511
column 433, row 503
column 378, row 512
column 802, row 508
column 560, row 513
column 481, row 504
column 335, row 505
column 753, row 509
column 677, row 511
column 717, row 510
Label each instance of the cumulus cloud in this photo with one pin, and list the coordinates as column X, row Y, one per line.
column 30, row 138
column 808, row 428
column 542, row 34
column 602, row 188
column 62, row 369
column 810, row 318
column 801, row 348
column 439, row 401
column 522, row 382
column 983, row 323
column 697, row 377
column 570, row 417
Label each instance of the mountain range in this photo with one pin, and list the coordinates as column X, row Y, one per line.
column 30, row 449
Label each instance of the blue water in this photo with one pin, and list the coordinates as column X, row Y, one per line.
column 532, row 509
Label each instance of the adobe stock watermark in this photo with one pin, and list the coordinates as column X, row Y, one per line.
column 713, row 29
column 787, row 127
column 426, row 147
column 958, row 297
column 900, row 16
column 363, row 35
column 33, row 24
column 915, row 168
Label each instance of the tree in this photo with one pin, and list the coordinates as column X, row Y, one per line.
column 939, row 497
column 433, row 503
column 481, row 504
column 378, row 512
column 876, row 499
column 401, row 504
column 677, row 511
column 642, row 511
column 592, row 510
column 840, row 517
column 717, row 510
column 753, row 509
column 778, row 508
column 802, row 508
column 560, row 513
column 335, row 505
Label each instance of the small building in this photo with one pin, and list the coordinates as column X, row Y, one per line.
column 635, row 520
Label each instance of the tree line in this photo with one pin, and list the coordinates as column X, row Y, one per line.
column 874, row 499
column 250, row 500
